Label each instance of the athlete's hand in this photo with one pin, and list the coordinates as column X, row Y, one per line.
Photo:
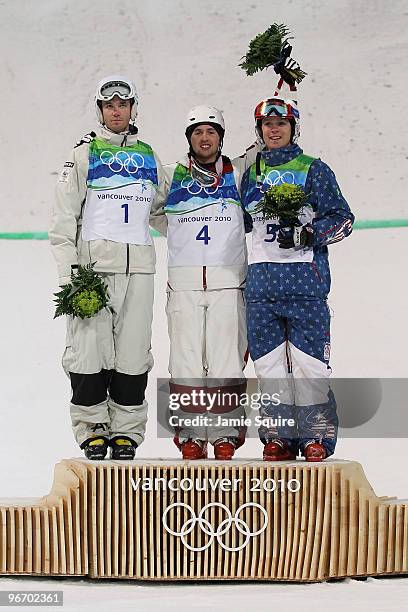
column 87, row 138
column 291, row 237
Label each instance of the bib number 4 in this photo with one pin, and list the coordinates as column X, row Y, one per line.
column 203, row 235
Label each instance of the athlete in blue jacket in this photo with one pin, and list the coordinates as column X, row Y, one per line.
column 287, row 285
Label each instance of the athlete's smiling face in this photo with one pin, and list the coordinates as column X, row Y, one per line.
column 116, row 114
column 276, row 132
column 205, row 142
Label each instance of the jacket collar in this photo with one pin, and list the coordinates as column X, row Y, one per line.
column 124, row 139
column 277, row 157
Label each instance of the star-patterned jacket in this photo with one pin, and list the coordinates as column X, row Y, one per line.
column 333, row 221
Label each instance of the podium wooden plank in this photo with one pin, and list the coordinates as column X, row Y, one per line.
column 382, row 539
column 19, row 540
column 28, row 541
column 3, row 540
column 11, row 541
column 353, row 529
column 61, row 537
column 115, row 542
column 45, row 539
column 53, row 529
column 391, row 551
column 363, row 531
column 324, row 557
column 305, row 499
column 297, row 503
column 344, row 524
column 123, row 494
column 37, row 542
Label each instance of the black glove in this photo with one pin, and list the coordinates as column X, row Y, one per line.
column 291, row 237
column 87, row 138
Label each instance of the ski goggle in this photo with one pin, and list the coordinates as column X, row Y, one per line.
column 275, row 108
column 116, row 88
column 203, row 176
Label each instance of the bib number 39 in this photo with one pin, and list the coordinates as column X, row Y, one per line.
column 203, row 235
column 272, row 230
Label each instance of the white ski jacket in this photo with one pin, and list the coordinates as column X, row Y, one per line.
column 65, row 236
column 185, row 277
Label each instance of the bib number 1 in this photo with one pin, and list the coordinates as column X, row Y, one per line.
column 126, row 207
column 203, row 235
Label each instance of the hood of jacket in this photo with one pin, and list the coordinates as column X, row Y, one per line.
column 123, row 139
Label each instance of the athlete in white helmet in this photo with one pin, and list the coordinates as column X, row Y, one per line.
column 207, row 265
column 108, row 188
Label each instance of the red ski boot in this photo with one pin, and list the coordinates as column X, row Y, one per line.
column 314, row 451
column 194, row 449
column 224, row 449
column 277, row 450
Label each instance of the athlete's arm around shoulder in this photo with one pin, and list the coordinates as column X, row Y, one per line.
column 70, row 195
column 157, row 218
column 245, row 161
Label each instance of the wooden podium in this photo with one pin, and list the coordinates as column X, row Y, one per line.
column 179, row 520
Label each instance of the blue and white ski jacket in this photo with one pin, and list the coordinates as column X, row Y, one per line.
column 332, row 220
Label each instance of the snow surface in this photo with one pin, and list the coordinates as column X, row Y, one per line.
column 183, row 53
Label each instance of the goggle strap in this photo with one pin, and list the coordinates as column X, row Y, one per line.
column 258, row 168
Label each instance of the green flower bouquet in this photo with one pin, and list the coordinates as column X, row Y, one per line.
column 84, row 296
column 284, row 202
column 272, row 48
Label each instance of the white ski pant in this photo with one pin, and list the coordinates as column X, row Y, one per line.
column 208, row 348
column 107, row 358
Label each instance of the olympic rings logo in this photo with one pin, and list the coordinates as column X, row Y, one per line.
column 273, row 178
column 195, row 188
column 223, row 527
column 122, row 161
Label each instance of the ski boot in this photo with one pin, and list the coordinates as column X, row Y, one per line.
column 224, row 448
column 95, row 448
column 194, row 449
column 123, row 448
column 278, row 450
column 314, row 451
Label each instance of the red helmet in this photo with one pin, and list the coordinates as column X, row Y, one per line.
column 280, row 105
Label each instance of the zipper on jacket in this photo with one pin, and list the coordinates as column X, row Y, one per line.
column 316, row 271
column 204, row 278
column 287, row 349
column 127, row 259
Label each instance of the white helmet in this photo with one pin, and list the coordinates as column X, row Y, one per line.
column 115, row 85
column 205, row 114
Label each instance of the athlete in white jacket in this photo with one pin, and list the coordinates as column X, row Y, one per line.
column 106, row 192
column 207, row 266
